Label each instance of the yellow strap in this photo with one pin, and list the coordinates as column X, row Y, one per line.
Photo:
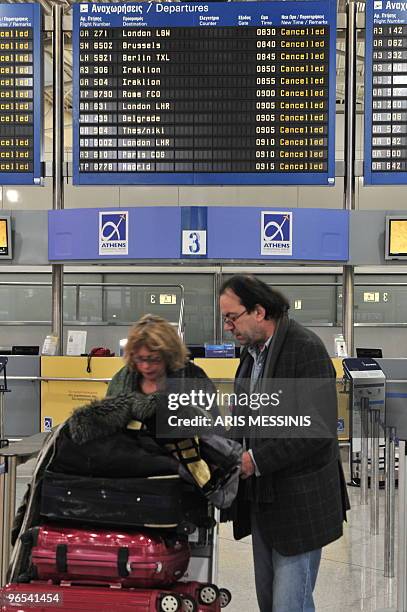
column 200, row 472
column 134, row 425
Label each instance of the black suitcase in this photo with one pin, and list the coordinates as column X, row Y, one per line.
column 166, row 502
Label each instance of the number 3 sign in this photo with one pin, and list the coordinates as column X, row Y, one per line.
column 193, row 242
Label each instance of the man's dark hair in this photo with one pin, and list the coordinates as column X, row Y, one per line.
column 251, row 291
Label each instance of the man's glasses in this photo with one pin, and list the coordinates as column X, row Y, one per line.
column 150, row 360
column 231, row 318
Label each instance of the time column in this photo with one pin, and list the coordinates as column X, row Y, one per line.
column 98, row 100
column 265, row 99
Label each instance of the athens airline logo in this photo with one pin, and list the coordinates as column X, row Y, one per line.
column 113, row 233
column 276, row 233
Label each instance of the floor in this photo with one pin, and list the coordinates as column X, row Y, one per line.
column 351, row 573
column 350, row 576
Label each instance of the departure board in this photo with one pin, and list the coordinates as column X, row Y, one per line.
column 386, row 93
column 20, row 94
column 205, row 93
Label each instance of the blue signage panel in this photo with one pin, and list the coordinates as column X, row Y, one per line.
column 20, row 94
column 267, row 233
column 204, row 93
column 136, row 233
column 386, row 93
column 233, row 233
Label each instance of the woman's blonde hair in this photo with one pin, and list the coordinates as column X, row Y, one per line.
column 156, row 334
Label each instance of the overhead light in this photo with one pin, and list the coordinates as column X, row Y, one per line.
column 12, row 195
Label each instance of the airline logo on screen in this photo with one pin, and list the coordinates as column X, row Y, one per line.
column 276, row 233
column 113, row 233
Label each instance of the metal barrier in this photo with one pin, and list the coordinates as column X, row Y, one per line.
column 364, row 451
column 370, row 434
column 402, row 534
column 10, row 458
column 374, row 477
column 389, row 511
column 402, row 531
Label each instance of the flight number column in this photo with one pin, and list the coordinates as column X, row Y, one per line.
column 389, row 99
column 16, row 100
column 98, row 100
column 292, row 99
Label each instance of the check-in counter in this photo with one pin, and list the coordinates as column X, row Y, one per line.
column 66, row 385
column 22, row 404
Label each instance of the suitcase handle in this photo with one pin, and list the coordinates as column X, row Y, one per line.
column 125, row 567
column 134, row 565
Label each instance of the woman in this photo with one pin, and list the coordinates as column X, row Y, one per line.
column 156, row 361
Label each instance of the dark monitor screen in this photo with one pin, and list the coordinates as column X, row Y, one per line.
column 25, row 350
column 196, row 351
column 374, row 353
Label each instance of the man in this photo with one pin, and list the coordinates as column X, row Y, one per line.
column 292, row 494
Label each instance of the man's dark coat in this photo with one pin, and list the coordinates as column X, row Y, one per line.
column 301, row 492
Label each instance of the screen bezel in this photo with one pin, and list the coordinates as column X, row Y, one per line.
column 388, row 255
column 9, row 254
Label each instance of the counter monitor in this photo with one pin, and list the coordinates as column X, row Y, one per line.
column 396, row 237
column 5, row 237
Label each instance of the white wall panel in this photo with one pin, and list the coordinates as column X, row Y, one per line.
column 91, row 197
column 149, row 195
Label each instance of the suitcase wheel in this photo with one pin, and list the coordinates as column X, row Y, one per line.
column 208, row 594
column 225, row 597
column 186, row 528
column 170, row 603
column 189, row 604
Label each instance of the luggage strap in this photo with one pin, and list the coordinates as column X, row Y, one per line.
column 122, row 561
column 186, row 451
column 61, row 558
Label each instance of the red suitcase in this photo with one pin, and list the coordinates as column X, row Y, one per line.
column 43, row 597
column 98, row 556
column 207, row 597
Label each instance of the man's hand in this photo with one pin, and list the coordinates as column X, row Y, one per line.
column 247, row 468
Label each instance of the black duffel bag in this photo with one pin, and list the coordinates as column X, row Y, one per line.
column 160, row 502
column 125, row 453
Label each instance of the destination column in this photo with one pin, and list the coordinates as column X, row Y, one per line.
column 145, row 121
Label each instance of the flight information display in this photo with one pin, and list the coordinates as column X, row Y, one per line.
column 205, row 93
column 386, row 93
column 20, row 94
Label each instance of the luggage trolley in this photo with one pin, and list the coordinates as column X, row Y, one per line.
column 196, row 589
column 203, row 566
